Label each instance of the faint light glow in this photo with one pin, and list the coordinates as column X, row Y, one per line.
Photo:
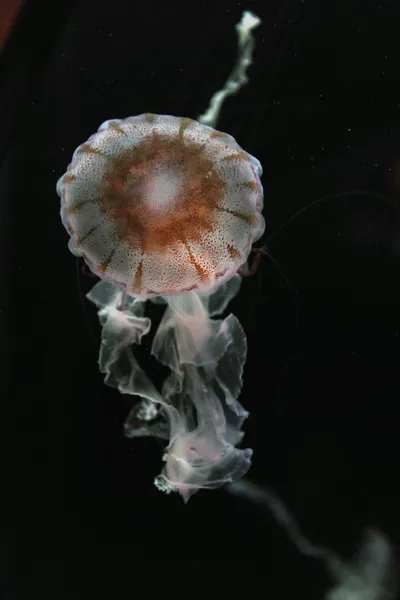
column 370, row 575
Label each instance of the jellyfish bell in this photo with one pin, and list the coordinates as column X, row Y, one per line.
column 162, row 207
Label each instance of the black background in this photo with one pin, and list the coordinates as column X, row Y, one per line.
column 322, row 114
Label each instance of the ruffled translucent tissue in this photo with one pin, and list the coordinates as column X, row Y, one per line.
column 197, row 409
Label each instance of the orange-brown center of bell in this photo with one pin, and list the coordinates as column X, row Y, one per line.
column 160, row 193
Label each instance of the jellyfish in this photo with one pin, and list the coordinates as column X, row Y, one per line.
column 165, row 210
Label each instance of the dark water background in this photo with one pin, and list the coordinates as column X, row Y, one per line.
column 322, row 114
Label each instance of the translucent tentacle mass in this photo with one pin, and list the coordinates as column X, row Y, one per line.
column 197, row 409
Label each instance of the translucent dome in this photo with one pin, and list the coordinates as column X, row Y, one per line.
column 162, row 205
